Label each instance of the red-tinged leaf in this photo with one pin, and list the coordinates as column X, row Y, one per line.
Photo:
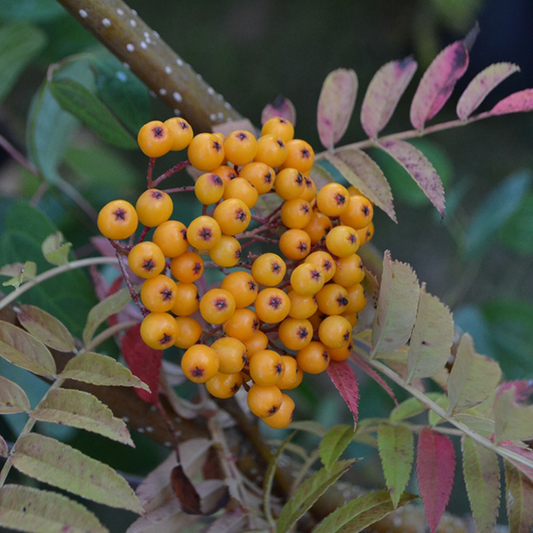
column 519, row 498
column 281, row 107
column 514, row 103
column 361, row 171
column 335, row 105
column 482, row 478
column 481, row 86
column 343, row 377
column 185, row 491
column 143, row 361
column 384, row 92
column 367, row 369
column 435, row 466
column 523, row 389
column 439, row 80
column 419, row 168
column 526, row 465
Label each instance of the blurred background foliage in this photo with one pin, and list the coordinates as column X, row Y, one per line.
column 477, row 260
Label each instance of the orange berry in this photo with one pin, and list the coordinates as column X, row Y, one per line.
column 263, row 400
column 293, row 375
column 295, row 333
column 257, row 342
column 359, row 213
column 206, row 151
column 154, row 207
column 325, row 262
column 242, row 189
column 272, row 305
column 155, row 139
column 300, row 155
column 269, row 269
column 189, row 332
column 314, row 358
column 283, row 417
column 224, row 385
column 187, row 267
column 146, row 259
column 171, row 237
column 295, row 244
column 349, row 271
column 260, row 175
column 159, row 330
column 240, row 147
column 296, row 213
column 242, row 324
column 335, row 331
column 318, row 227
column 233, row 216
column 199, row 363
column 266, row 367
column 203, row 233
column 279, row 127
column 333, row 199
column 271, row 150
column 180, row 131
column 332, row 299
column 302, row 306
column 158, row 294
column 341, row 354
column 307, row 279
column 342, row 241
column 209, row 188
column 356, row 299
column 231, row 354
column 225, row 173
column 227, row 252
column 217, row 306
column 290, row 184
column 117, row 220
column 187, row 299
column 243, row 287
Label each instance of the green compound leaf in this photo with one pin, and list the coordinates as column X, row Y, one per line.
column 24, row 350
column 309, row 492
column 41, row 511
column 103, row 310
column 396, row 450
column 62, row 466
column 80, row 102
column 334, row 443
column 397, row 306
column 101, row 370
column 411, row 407
column 512, row 420
column 19, row 44
column 55, row 251
column 473, row 376
column 434, row 418
column 13, row 399
column 82, row 410
column 361, row 512
column 519, row 499
column 482, row 478
column 46, row 327
column 431, row 342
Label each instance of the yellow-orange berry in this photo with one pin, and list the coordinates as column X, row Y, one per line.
column 335, row 331
column 260, row 175
column 154, row 207
column 350, row 271
column 231, row 354
column 279, row 127
column 300, row 155
column 159, row 330
column 155, row 139
column 240, row 147
column 302, row 306
column 209, row 188
column 356, row 299
column 325, row 262
column 187, row 267
column 257, row 342
column 227, row 252
column 295, row 333
column 243, row 287
column 283, row 417
column 203, row 233
column 266, row 367
column 307, row 279
column 290, row 184
column 333, row 199
column 342, row 241
column 341, row 354
column 180, row 131
column 272, row 305
column 206, row 151
column 225, row 172
column 269, row 269
column 189, row 332
column 233, row 216
column 296, row 213
column 117, row 220
column 217, row 306
column 187, row 299
column 332, row 299
column 224, row 385
column 263, row 400
column 314, row 358
column 271, row 150
column 242, row 189
column 146, row 259
column 295, row 244
column 242, row 324
column 359, row 213
column 318, row 227
column 199, row 363
column 171, row 237
column 158, row 294
column 293, row 375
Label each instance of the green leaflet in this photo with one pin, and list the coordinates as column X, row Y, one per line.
column 81, row 410
column 432, row 338
column 396, row 450
column 482, row 478
column 519, row 499
column 512, row 421
column 23, row 349
column 103, row 310
column 13, row 399
column 361, row 512
column 411, row 407
column 102, row 370
column 334, row 443
column 81, row 103
column 56, row 251
column 62, row 466
column 472, row 378
column 46, row 327
column 309, row 492
column 19, row 44
column 40, row 511
column 397, row 306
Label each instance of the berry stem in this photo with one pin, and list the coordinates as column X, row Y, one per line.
column 151, row 164
column 189, row 188
column 176, row 168
column 134, row 296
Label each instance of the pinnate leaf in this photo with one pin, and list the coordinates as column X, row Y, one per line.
column 361, row 512
column 365, row 367
column 23, row 349
column 396, row 450
column 62, row 466
column 438, row 82
column 82, row 410
column 419, row 167
column 519, row 498
column 78, row 100
column 42, row 511
column 384, row 92
column 482, row 478
column 335, row 105
column 309, row 492
column 55, row 250
column 46, row 327
column 334, row 443
column 482, row 85
column 280, row 107
column 343, row 377
column 515, row 103
column 361, row 171
column 98, row 369
column 435, row 466
column 473, row 376
column 431, row 342
column 397, row 305
column 411, row 407
column 144, row 362
column 13, row 399
column 512, row 420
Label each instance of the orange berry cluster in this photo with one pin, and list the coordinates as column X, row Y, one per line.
column 273, row 317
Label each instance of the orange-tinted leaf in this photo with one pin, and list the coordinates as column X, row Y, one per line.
column 482, row 85
column 361, row 171
column 24, row 350
column 435, row 466
column 143, row 361
column 335, row 105
column 280, row 107
column 514, row 103
column 384, row 92
column 419, row 168
column 482, row 478
column 519, row 498
column 343, row 377
column 439, row 80
column 13, row 399
column 46, row 327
